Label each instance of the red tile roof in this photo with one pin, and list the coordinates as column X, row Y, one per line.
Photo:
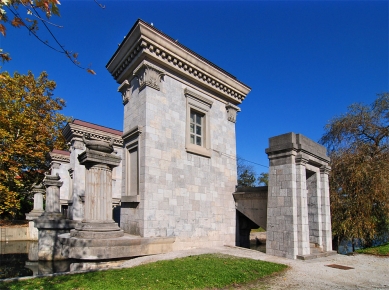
column 97, row 127
column 62, row 152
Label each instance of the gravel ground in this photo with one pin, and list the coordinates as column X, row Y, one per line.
column 369, row 272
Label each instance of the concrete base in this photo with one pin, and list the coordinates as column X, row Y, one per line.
column 123, row 247
column 316, row 255
column 34, row 214
column 33, row 231
column 49, row 246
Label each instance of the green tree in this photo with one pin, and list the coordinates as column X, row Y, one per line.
column 358, row 144
column 263, row 178
column 246, row 173
column 30, row 127
column 246, row 179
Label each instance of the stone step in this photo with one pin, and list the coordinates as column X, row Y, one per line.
column 316, row 255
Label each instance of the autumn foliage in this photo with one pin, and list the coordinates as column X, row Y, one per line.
column 30, row 127
column 358, row 143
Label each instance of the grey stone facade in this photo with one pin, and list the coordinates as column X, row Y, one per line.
column 298, row 213
column 172, row 187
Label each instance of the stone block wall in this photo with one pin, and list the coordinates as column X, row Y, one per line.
column 181, row 194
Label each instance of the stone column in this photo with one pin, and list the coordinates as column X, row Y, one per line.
column 98, row 223
column 51, row 223
column 325, row 209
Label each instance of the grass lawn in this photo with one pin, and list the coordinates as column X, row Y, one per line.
column 258, row 230
column 382, row 250
column 194, row 272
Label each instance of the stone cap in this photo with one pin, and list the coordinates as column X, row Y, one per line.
column 299, row 143
column 144, row 41
column 61, row 156
column 78, row 128
column 52, row 180
column 91, row 157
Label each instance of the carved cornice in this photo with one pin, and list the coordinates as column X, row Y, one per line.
column 193, row 95
column 132, row 135
column 59, row 157
column 76, row 131
column 149, row 75
column 146, row 41
column 232, row 111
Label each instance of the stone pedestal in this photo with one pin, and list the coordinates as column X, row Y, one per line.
column 98, row 222
column 38, row 191
column 51, row 223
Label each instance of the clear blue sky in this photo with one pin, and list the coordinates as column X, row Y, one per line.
column 305, row 61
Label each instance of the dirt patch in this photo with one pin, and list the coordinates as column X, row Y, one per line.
column 13, row 224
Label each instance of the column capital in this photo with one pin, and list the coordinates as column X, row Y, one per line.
column 325, row 169
column 92, row 157
column 125, row 90
column 232, row 111
column 149, row 75
column 301, row 160
column 52, row 180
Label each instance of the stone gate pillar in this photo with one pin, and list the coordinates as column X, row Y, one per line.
column 298, row 215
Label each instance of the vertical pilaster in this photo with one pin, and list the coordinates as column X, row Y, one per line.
column 325, row 205
column 302, row 206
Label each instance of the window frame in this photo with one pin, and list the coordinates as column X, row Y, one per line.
column 200, row 105
column 131, row 141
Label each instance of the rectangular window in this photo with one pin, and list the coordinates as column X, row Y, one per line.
column 197, row 128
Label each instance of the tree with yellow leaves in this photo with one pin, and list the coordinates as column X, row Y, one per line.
column 358, row 144
column 30, row 127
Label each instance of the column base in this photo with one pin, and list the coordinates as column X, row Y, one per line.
column 97, row 230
